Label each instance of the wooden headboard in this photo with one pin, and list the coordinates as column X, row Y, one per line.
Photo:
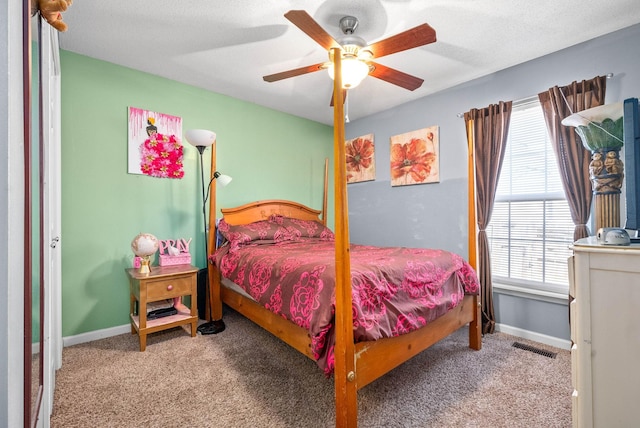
column 261, row 210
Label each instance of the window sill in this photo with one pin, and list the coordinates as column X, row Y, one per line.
column 533, row 294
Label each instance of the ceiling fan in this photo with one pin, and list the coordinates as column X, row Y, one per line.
column 358, row 57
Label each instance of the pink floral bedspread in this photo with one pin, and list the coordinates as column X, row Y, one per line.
column 395, row 290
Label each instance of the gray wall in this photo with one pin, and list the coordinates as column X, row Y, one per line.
column 435, row 215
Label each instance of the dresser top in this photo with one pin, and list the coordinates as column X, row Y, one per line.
column 591, row 244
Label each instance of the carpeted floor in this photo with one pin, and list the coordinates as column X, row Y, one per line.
column 244, row 377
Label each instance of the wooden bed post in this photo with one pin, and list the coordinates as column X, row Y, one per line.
column 326, row 188
column 213, row 303
column 475, row 327
column 345, row 370
column 472, row 197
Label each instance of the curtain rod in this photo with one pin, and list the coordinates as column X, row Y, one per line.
column 461, row 115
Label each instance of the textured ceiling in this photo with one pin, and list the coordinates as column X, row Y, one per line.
column 227, row 46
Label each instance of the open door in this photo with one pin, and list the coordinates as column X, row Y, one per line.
column 51, row 189
column 42, row 266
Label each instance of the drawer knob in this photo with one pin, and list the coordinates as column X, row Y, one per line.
column 169, row 287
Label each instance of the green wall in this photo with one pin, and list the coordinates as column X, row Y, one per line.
column 270, row 155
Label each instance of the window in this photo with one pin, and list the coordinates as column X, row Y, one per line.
column 531, row 227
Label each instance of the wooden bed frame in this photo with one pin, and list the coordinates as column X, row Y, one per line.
column 356, row 364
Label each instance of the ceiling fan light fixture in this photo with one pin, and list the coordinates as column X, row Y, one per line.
column 353, row 72
column 351, row 43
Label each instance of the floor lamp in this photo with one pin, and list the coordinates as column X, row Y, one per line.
column 201, row 139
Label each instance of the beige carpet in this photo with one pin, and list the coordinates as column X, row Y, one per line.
column 244, row 377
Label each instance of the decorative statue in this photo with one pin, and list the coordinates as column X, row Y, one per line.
column 606, row 177
column 596, row 165
column 601, row 130
column 613, row 164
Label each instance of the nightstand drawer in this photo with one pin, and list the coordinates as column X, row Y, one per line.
column 168, row 288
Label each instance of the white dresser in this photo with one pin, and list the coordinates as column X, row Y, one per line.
column 605, row 331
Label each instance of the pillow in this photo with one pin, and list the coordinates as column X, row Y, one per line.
column 303, row 229
column 276, row 228
column 262, row 231
column 220, row 239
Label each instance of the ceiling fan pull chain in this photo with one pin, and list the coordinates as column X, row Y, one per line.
column 346, row 109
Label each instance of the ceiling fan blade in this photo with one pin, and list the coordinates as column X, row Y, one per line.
column 306, row 23
column 344, row 97
column 292, row 73
column 417, row 36
column 396, row 77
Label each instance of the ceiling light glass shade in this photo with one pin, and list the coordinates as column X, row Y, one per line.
column 200, row 137
column 353, row 72
column 222, row 179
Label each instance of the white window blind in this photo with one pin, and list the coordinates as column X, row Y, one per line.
column 531, row 228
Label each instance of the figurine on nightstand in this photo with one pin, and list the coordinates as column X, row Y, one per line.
column 144, row 246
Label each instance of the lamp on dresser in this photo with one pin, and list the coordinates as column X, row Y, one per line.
column 201, row 139
column 601, row 131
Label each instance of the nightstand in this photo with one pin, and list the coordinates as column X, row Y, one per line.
column 162, row 283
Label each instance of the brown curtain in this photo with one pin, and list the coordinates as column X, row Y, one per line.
column 490, row 128
column 572, row 157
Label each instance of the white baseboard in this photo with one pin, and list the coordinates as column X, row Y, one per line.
column 514, row 331
column 95, row 335
column 532, row 335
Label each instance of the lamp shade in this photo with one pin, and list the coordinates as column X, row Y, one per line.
column 353, row 72
column 222, row 179
column 600, row 128
column 594, row 114
column 200, row 137
column 144, row 245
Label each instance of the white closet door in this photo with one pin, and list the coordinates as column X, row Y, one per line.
column 52, row 240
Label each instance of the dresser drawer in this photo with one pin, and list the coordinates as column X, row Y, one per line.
column 574, row 366
column 572, row 276
column 168, row 288
column 574, row 409
column 573, row 319
column 620, row 261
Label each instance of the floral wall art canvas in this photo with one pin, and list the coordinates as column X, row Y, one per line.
column 415, row 157
column 360, row 158
column 154, row 146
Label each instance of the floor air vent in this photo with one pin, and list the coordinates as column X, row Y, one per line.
column 534, row 349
